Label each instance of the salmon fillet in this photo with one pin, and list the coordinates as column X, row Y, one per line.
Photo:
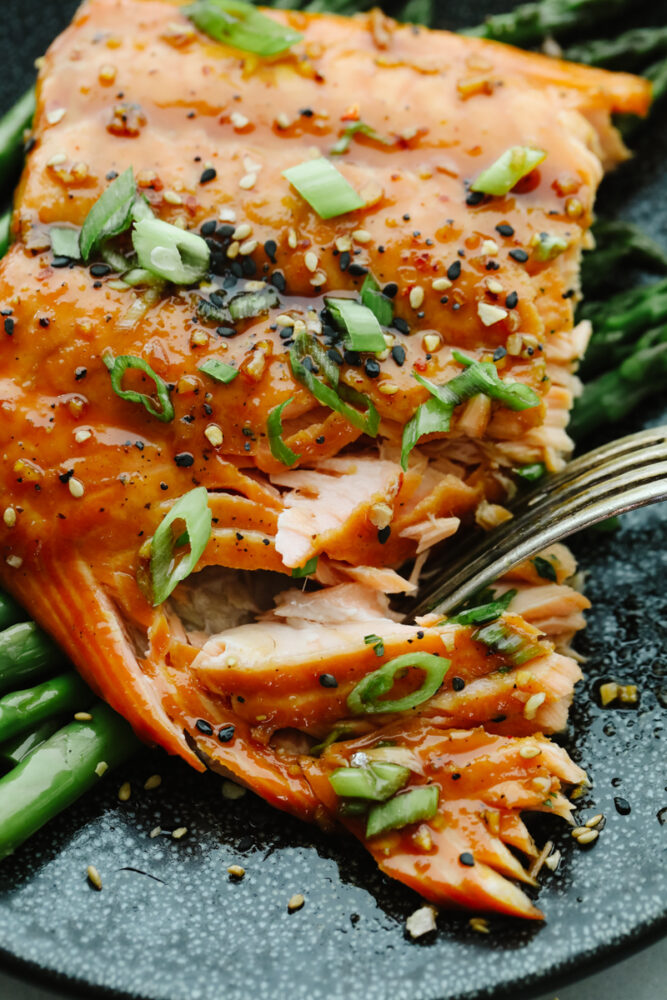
column 238, row 670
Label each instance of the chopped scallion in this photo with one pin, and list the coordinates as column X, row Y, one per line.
column 360, row 327
column 531, row 472
column 547, row 246
column 412, row 806
column 166, row 571
column 110, row 215
column 172, row 253
column 379, row 304
column 274, row 428
column 484, row 613
column 343, row 144
column 500, row 638
column 219, row 371
column 376, row 781
column 308, row 568
column 117, row 368
column 324, row 188
column 545, row 569
column 242, row 26
column 65, row 242
column 514, row 164
column 364, row 697
column 247, row 305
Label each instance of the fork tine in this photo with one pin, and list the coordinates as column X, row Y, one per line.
column 633, row 473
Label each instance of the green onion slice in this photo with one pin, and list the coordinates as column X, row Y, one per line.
column 549, row 246
column 110, row 215
column 531, row 472
column 242, row 26
column 172, row 253
column 508, row 169
column 141, row 209
column 166, row 570
column 274, row 428
column 331, row 393
column 379, row 304
column 308, row 568
column 363, row 699
column 545, row 569
column 65, row 242
column 501, row 639
column 434, row 416
column 484, row 613
column 219, row 371
column 117, row 368
column 412, row 806
column 376, row 781
column 361, row 330
column 324, row 188
column 343, row 144
column 250, row 304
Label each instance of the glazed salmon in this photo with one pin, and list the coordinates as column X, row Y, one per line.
column 238, row 669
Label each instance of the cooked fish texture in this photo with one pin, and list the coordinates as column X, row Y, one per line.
column 208, row 131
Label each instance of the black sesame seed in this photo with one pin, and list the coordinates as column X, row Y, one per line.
column 80, row 373
column 226, row 734
column 286, row 332
column 225, row 231
column 498, row 718
column 112, row 175
column 207, row 175
column 455, row 776
column 420, row 634
column 372, row 367
column 458, row 683
column 306, row 112
column 208, row 228
column 328, row 681
column 208, row 410
column 383, row 534
column 622, row 806
column 398, row 354
column 401, row 325
column 270, row 248
column 216, row 299
column 406, row 217
column 504, row 229
column 390, row 290
column 225, row 331
column 44, row 321
column 512, row 300
column 499, row 353
column 492, row 265
column 60, row 262
column 277, row 279
column 569, row 293
column 444, row 300
column 204, row 727
column 344, row 261
column 467, row 859
column 247, row 446
column 334, row 355
column 9, row 326
column 265, row 541
column 236, row 267
column 100, row 270
column 320, row 440
column 519, row 255
column 475, row 197
column 65, row 477
column 357, row 270
column 184, row 459
column 352, row 358
column 454, row 270
column 29, row 145
column 249, row 267
column 164, row 486
column 310, row 365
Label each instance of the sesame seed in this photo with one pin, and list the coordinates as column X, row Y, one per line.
column 529, row 750
column 292, row 239
column 82, row 716
column 328, row 681
column 209, row 174
column 172, row 197
column 56, row 160
column 361, row 236
column 236, row 871
column 238, row 120
column 233, row 249
column 319, row 278
column 494, row 286
column 155, row 832
column 622, row 806
column 248, row 247
column 388, row 388
column 9, row 517
column 76, row 488
column 504, row 229
column 398, row 354
column 512, row 300
column 82, row 435
column 227, row 215
column 124, row 791
column 295, row 902
column 441, row 284
column 214, row 435
column 14, row 561
column 283, row 121
column 248, row 181
column 232, row 791
column 454, row 270
column 242, row 232
column 594, row 820
column 532, row 705
column 56, row 115
column 101, row 768
column 416, row 296
column 226, row 734
column 467, row 859
column 421, row 922
column 179, row 832
column 199, row 338
column 432, row 342
column 519, row 255
column 94, row 877
column 490, row 314
column 490, row 248
column 380, row 515
column 588, row 837
column 553, row 861
column 154, row 781
column 311, row 261
column 204, row 727
column 480, row 925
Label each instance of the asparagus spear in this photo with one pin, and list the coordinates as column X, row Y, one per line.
column 26, row 655
column 21, row 711
column 59, row 771
column 12, row 127
column 628, row 51
column 17, row 749
column 614, row 395
column 619, row 244
column 620, row 320
column 528, row 24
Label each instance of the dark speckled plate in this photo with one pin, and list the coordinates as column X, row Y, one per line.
column 170, row 925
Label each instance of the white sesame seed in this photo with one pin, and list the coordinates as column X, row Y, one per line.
column 577, row 831
column 248, row 247
column 231, row 791
column 292, row 239
column 236, row 871
column 101, row 768
column 254, row 286
column 529, row 750
column 361, row 236
column 382, row 355
column 494, row 286
column 94, row 877
column 248, row 181
column 242, row 231
column 389, row 339
column 155, row 832
column 283, row 121
column 227, row 215
column 55, row 115
column 416, row 296
column 214, row 435
column 319, row 278
column 199, row 338
column 76, row 488
column 387, row 388
column 553, row 861
column 480, row 925
column 14, row 561
column 172, row 198
column 343, row 244
column 9, row 517
column 179, row 832
column 490, row 314
column 421, row 922
column 541, row 785
column 532, row 705
column 82, row 716
column 56, row 160
column 154, row 781
column 380, row 515
column 284, row 320
column 311, row 260
column 588, row 837
column 82, row 435
column 125, row 791
column 250, row 165
column 238, row 120
column 233, row 249
column 432, row 342
column 594, row 820
column 296, row 902
column 441, row 284
column 490, row 248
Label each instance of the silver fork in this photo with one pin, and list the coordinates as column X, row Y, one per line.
column 628, row 473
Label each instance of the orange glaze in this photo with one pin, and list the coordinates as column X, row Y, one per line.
column 86, row 477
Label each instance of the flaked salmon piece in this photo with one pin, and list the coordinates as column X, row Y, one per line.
column 459, row 856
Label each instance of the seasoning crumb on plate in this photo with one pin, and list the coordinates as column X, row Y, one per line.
column 421, row 922
column 296, row 902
